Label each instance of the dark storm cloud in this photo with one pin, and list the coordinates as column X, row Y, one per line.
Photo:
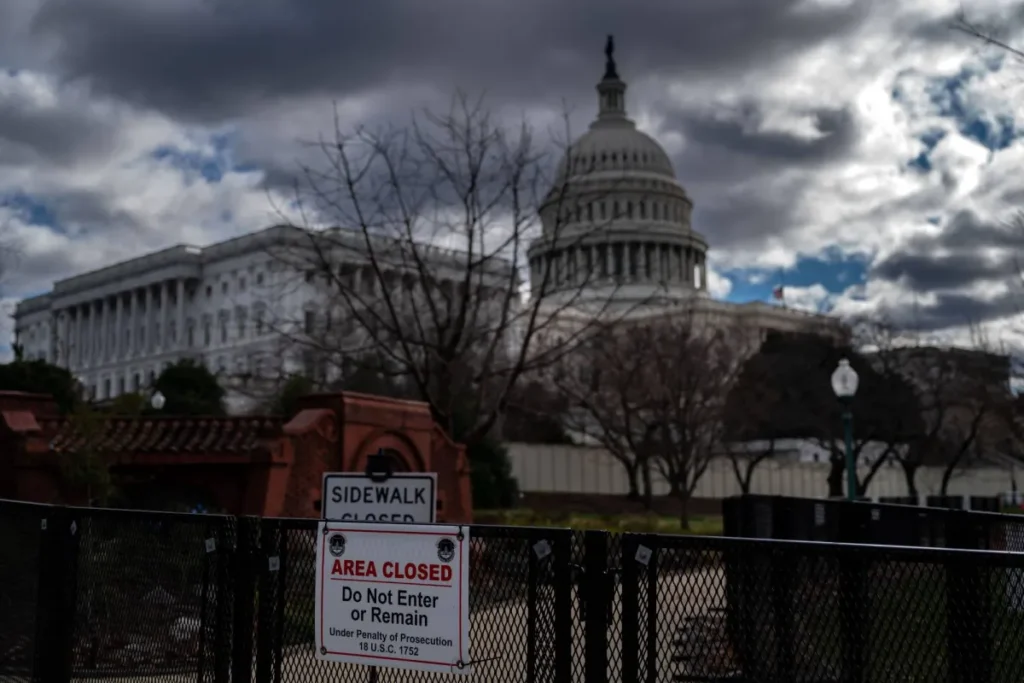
column 216, row 58
column 725, row 151
column 954, row 310
column 928, row 273
column 968, row 252
column 59, row 136
column 735, row 133
column 958, row 257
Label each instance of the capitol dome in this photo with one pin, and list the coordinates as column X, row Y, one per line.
column 616, row 222
column 613, row 147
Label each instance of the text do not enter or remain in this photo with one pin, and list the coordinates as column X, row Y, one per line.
column 394, row 595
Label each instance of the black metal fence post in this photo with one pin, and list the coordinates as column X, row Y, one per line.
column 650, row 551
column 562, row 557
column 853, row 609
column 267, row 618
column 532, row 614
column 630, row 609
column 783, row 570
column 245, row 580
column 223, row 553
column 57, row 597
column 640, row 565
column 596, row 597
column 968, row 604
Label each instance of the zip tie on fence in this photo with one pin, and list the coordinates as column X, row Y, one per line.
column 461, row 664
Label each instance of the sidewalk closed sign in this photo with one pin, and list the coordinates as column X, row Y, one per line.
column 407, row 498
column 393, row 595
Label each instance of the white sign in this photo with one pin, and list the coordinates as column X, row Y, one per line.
column 393, row 595
column 407, row 498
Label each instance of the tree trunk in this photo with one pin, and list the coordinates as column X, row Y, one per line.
column 910, row 475
column 684, row 512
column 632, row 480
column 648, row 485
column 947, row 476
column 835, row 477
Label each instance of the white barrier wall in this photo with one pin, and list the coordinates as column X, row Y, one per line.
column 586, row 469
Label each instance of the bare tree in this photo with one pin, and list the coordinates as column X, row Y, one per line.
column 422, row 270
column 752, row 423
column 987, row 35
column 962, row 397
column 653, row 393
column 786, row 392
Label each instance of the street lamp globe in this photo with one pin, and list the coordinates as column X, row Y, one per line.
column 157, row 401
column 844, row 380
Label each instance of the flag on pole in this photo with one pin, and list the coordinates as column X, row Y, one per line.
column 778, row 293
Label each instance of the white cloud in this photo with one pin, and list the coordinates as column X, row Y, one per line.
column 719, row 286
column 814, row 298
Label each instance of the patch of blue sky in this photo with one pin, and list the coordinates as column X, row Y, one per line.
column 834, row 271
column 210, row 165
column 30, row 209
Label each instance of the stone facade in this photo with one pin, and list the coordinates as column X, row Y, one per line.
column 246, row 466
column 239, row 306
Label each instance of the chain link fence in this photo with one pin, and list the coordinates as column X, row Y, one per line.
column 90, row 594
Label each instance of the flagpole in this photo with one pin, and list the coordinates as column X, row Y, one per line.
column 779, row 291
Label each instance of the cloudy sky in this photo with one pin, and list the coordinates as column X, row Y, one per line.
column 859, row 152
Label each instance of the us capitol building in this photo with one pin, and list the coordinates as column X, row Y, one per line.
column 616, row 238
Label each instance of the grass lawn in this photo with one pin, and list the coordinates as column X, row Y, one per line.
column 710, row 525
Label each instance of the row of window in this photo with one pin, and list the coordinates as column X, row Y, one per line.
column 363, row 281
column 240, row 286
column 623, row 159
column 618, row 210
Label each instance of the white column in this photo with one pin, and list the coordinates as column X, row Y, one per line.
column 180, row 324
column 133, row 323
column 704, row 272
column 62, row 337
column 87, row 331
column 147, row 322
column 119, row 326
column 73, row 344
column 105, row 327
column 165, row 315
column 80, row 335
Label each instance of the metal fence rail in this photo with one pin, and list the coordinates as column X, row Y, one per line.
column 842, row 521
column 104, row 594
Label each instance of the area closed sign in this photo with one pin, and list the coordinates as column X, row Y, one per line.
column 394, row 595
column 404, row 498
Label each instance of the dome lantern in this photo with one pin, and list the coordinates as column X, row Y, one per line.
column 611, row 90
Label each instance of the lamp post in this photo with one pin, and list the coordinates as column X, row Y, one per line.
column 157, row 401
column 844, row 384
